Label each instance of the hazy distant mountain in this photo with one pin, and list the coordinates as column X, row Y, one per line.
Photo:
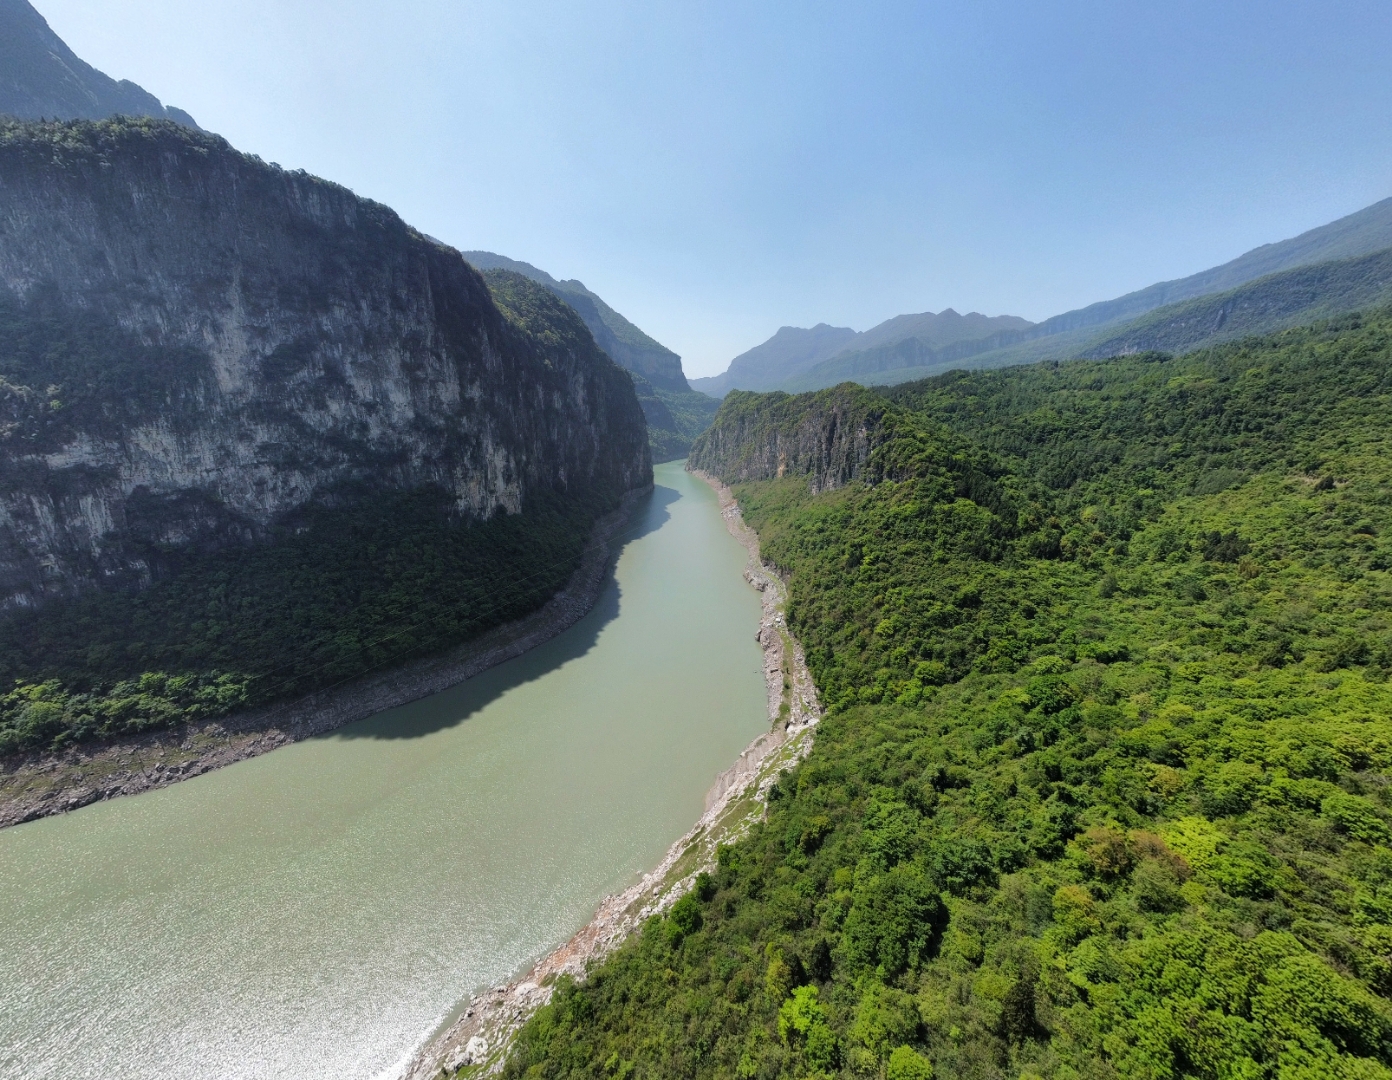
column 1120, row 325
column 789, row 358
column 1360, row 233
column 1295, row 297
column 908, row 341
column 42, row 79
column 675, row 413
column 789, row 352
column 945, row 328
column 1290, row 298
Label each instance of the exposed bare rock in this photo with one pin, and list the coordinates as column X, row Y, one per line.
column 281, row 340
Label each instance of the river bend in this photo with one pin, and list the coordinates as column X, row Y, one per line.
column 317, row 911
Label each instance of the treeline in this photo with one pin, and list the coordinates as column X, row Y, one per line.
column 1103, row 786
column 342, row 592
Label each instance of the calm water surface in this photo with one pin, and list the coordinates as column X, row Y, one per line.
column 317, row 911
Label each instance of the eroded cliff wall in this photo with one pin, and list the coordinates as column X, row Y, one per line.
column 195, row 344
column 829, row 437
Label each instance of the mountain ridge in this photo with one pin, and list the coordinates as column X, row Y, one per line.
column 270, row 388
column 626, row 344
column 790, row 349
column 786, row 358
column 1079, row 332
column 259, row 436
column 675, row 412
column 42, row 79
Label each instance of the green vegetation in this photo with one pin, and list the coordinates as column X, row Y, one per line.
column 340, row 593
column 357, row 581
column 675, row 417
column 63, row 371
column 1289, row 298
column 1103, row 787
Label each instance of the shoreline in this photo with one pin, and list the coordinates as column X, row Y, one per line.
column 43, row 785
column 481, row 1031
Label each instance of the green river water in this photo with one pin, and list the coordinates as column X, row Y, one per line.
column 318, row 911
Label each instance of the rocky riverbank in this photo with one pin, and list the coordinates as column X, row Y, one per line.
column 479, row 1038
column 40, row 785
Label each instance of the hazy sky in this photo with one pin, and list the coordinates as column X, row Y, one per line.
column 715, row 170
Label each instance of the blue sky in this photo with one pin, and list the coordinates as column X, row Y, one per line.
column 716, row 170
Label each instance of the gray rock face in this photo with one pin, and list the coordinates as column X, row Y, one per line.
column 42, row 79
column 829, row 437
column 254, row 339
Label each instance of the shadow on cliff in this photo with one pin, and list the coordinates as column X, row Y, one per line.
column 457, row 704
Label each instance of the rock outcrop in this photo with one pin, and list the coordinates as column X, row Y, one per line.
column 829, row 437
column 197, row 344
column 676, row 414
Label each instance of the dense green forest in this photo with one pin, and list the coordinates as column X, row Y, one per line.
column 356, row 581
column 341, row 593
column 1102, row 788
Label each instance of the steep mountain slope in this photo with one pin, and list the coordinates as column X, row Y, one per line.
column 1360, row 233
column 41, row 78
column 628, row 346
column 1286, row 299
column 967, row 336
column 826, row 355
column 1290, row 298
column 1074, row 332
column 1102, row 789
column 204, row 356
column 674, row 412
column 947, row 327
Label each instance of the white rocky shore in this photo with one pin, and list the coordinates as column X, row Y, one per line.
column 478, row 1041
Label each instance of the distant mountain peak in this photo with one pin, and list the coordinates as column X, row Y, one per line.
column 42, row 79
column 793, row 352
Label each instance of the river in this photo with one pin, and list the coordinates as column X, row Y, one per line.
column 319, row 910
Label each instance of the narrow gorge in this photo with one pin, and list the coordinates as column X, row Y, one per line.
column 259, row 437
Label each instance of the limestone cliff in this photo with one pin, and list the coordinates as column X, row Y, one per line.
column 829, row 437
column 195, row 345
column 676, row 414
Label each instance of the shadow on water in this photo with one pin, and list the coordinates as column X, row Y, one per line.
column 451, row 707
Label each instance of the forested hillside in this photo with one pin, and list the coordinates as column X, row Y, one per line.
column 1102, row 790
column 1290, row 298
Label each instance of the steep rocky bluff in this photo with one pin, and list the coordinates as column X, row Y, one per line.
column 196, row 345
column 830, row 437
column 628, row 346
column 676, row 414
